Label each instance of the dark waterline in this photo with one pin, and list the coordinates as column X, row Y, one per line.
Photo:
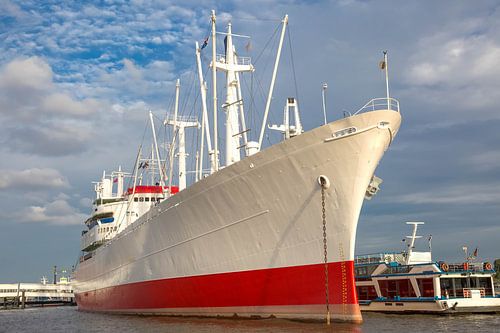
column 69, row 319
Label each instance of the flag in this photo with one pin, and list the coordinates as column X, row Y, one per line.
column 382, row 64
column 205, row 43
column 475, row 253
column 248, row 47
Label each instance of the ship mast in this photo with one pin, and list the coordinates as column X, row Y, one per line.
column 271, row 87
column 412, row 237
column 172, row 145
column 232, row 66
column 214, row 90
column 205, row 126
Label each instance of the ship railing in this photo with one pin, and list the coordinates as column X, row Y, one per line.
column 466, row 267
column 188, row 119
column 467, row 292
column 379, row 258
column 380, row 104
column 239, row 60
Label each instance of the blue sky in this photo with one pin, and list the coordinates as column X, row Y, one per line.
column 77, row 80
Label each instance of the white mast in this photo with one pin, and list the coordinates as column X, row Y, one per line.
column 214, row 90
column 232, row 122
column 172, row 146
column 386, row 67
column 205, row 126
column 271, row 87
column 412, row 237
column 231, row 65
column 323, row 93
column 160, row 170
column 180, row 124
column 119, row 182
column 242, row 115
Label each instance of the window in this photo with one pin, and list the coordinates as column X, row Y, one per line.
column 426, row 287
column 146, row 199
column 136, row 199
column 366, row 292
column 401, row 288
column 141, row 199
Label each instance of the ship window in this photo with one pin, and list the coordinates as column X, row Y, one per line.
column 115, row 228
column 146, row 199
column 366, row 292
column 485, row 282
column 426, row 287
column 393, row 288
column 136, row 199
column 141, row 199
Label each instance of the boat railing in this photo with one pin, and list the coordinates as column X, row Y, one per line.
column 466, row 267
column 383, row 103
column 469, row 291
column 374, row 258
column 239, row 60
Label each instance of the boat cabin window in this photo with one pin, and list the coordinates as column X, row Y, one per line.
column 400, row 287
column 141, row 199
column 136, row 199
column 146, row 199
column 454, row 287
column 426, row 287
column 366, row 292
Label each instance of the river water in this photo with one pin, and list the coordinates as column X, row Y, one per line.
column 69, row 319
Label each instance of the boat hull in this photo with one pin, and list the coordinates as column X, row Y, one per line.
column 449, row 306
column 259, row 221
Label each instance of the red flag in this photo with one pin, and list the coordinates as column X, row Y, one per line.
column 475, row 252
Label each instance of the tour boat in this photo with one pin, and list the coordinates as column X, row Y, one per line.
column 411, row 281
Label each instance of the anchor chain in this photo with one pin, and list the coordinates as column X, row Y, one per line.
column 325, row 251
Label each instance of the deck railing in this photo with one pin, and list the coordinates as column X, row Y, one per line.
column 468, row 292
column 380, row 104
column 379, row 257
column 239, row 60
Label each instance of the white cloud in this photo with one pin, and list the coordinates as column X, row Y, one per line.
column 484, row 161
column 459, row 194
column 26, row 74
column 458, row 67
column 63, row 104
column 32, row 179
column 58, row 212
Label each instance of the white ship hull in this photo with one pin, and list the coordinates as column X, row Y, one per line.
column 248, row 240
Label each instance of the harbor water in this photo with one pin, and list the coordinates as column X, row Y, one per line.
column 69, row 319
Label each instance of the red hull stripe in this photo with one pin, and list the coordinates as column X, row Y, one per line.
column 298, row 285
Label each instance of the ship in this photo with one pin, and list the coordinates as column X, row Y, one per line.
column 411, row 282
column 269, row 234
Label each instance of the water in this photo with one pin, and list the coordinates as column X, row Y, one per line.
column 68, row 319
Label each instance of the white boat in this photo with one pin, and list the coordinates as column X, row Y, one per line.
column 411, row 282
column 60, row 292
column 246, row 239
